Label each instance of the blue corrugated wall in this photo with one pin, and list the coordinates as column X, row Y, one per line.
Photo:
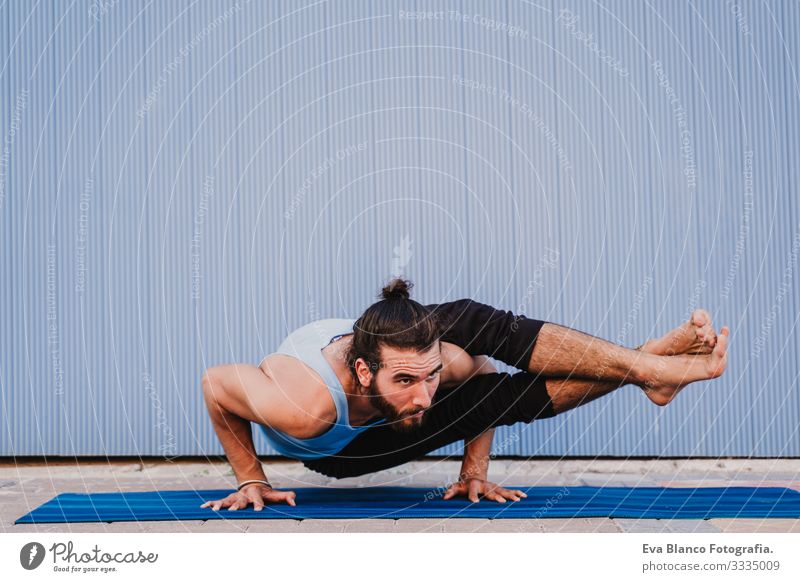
column 182, row 183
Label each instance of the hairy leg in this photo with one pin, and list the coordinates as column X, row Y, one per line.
column 693, row 337
column 565, row 352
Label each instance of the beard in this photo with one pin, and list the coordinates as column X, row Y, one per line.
column 395, row 418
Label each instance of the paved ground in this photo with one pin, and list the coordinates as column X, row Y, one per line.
column 25, row 485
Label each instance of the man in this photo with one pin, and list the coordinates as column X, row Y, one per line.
column 349, row 398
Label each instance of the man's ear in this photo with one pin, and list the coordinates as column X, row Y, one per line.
column 363, row 373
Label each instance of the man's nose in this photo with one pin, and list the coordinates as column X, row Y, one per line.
column 422, row 396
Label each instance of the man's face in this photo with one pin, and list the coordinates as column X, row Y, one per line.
column 403, row 387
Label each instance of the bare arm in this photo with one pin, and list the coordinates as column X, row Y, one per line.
column 235, row 434
column 236, row 395
column 476, row 451
column 472, row 478
column 476, row 456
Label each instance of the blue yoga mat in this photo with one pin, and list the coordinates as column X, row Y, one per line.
column 406, row 502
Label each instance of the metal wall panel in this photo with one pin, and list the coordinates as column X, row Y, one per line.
column 183, row 183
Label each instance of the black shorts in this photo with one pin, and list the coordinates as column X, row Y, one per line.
column 462, row 412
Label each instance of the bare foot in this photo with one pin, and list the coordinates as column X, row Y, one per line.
column 695, row 336
column 670, row 375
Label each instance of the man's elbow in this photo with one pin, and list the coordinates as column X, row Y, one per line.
column 483, row 365
column 212, row 385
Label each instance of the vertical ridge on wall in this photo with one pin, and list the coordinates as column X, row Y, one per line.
column 183, row 184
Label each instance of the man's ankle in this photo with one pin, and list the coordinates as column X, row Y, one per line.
column 643, row 368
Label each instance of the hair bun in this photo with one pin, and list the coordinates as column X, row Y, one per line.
column 397, row 289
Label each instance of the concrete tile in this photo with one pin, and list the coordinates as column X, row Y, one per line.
column 322, row 525
column 759, row 525
column 601, row 525
column 415, row 525
column 306, row 480
column 370, row 526
column 528, row 525
column 131, row 526
column 665, row 526
column 628, row 525
column 512, row 526
column 691, row 526
column 39, row 528
column 90, row 527
column 185, row 526
column 225, row 525
column 466, row 525
column 580, row 525
column 273, row 526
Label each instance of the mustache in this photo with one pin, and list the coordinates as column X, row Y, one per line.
column 412, row 413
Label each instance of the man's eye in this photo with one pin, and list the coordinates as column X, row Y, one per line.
column 405, row 381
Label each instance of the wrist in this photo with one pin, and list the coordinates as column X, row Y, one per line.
column 247, row 482
column 472, row 473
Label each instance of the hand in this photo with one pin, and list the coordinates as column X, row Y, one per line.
column 472, row 487
column 255, row 493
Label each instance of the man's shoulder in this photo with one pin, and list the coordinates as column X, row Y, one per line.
column 305, row 403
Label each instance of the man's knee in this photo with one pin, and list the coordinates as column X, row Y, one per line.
column 528, row 398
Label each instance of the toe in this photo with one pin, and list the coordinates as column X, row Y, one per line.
column 722, row 341
column 701, row 317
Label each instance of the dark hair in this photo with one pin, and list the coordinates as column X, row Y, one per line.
column 396, row 321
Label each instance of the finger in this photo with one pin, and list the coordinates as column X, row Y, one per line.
column 495, row 496
column 289, row 497
column 499, row 494
column 520, row 493
column 255, row 499
column 449, row 493
column 474, row 489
